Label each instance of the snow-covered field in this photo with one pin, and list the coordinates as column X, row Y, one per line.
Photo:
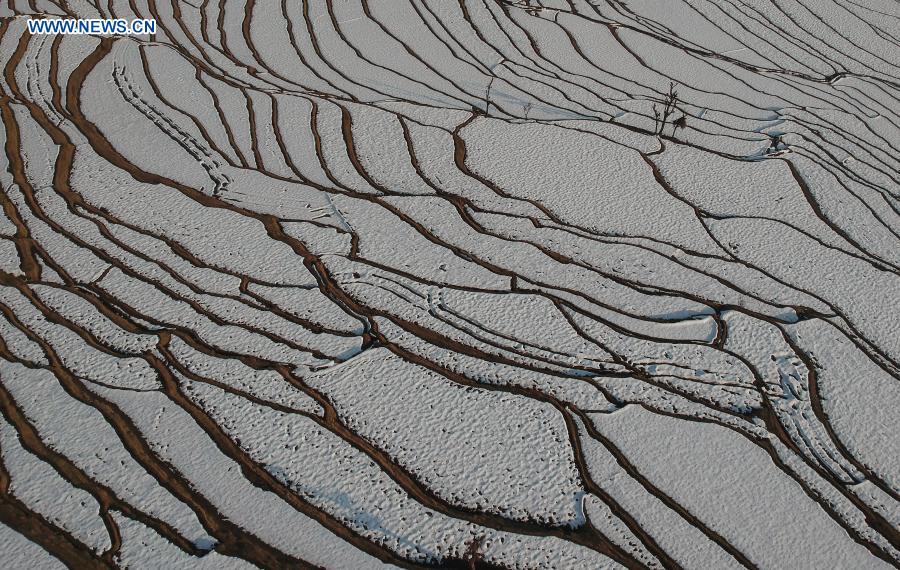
column 464, row 284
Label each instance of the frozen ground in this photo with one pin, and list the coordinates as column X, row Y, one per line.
column 420, row 283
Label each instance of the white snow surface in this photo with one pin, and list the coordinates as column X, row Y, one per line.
column 419, row 283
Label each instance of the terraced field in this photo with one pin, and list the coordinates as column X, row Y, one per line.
column 451, row 283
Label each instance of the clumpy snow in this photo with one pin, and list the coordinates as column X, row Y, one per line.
column 432, row 284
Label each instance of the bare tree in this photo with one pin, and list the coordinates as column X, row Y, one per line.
column 670, row 102
column 679, row 123
column 473, row 552
column 487, row 96
column 527, row 108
